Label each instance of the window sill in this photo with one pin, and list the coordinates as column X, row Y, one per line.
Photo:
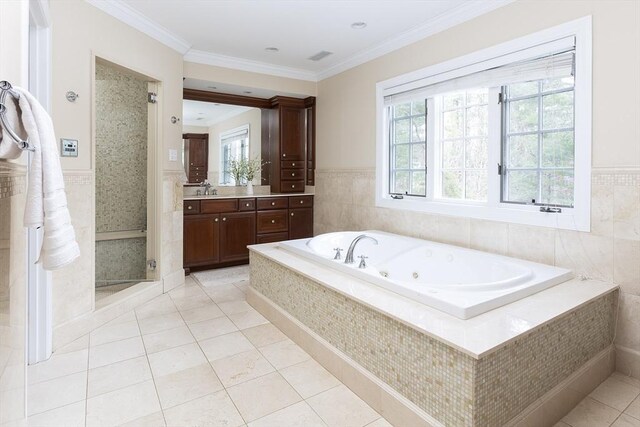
column 568, row 219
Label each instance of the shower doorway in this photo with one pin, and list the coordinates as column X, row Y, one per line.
column 125, row 133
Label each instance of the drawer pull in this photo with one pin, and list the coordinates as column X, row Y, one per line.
column 284, row 155
column 293, row 164
column 224, row 219
column 293, row 174
column 293, row 186
column 291, row 213
column 247, row 204
column 273, row 221
column 215, row 220
column 189, row 207
column 273, row 203
column 301, row 202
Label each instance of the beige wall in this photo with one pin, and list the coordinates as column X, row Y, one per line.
column 81, row 32
column 346, row 152
column 253, row 119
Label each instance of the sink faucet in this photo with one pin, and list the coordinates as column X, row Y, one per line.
column 349, row 258
column 206, row 186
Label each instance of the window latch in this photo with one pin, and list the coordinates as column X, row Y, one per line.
column 550, row 209
column 397, row 196
column 499, row 169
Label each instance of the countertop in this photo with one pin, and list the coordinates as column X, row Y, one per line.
column 244, row 196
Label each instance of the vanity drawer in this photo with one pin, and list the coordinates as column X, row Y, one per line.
column 292, row 186
column 246, row 204
column 273, row 203
column 272, row 221
column 287, row 174
column 300, row 202
column 291, row 164
column 272, row 237
column 218, row 206
column 191, row 207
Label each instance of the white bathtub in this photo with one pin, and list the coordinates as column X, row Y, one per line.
column 461, row 282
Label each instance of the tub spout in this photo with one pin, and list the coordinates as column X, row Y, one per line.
column 349, row 258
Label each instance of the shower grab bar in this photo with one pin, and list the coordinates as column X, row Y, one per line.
column 6, row 88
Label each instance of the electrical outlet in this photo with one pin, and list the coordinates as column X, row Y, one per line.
column 173, row 155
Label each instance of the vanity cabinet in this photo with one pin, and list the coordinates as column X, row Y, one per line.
column 196, row 160
column 217, row 232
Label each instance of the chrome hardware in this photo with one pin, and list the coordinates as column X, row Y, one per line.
column 273, row 221
column 174, row 119
column 207, row 189
column 293, row 186
column 189, row 207
column 415, row 275
column 284, row 155
column 550, row 209
column 301, row 201
column 291, row 213
column 337, row 256
column 152, row 97
column 71, row 96
column 293, row 164
column 293, row 174
column 384, row 274
column 273, row 203
column 191, row 164
column 198, row 192
column 6, row 88
column 362, row 264
column 152, row 264
column 215, row 220
column 247, row 204
column 349, row 258
column 224, row 219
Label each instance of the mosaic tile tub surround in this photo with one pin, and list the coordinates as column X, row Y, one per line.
column 452, row 386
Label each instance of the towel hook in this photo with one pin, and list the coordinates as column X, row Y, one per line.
column 5, row 87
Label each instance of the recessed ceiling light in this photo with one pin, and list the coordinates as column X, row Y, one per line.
column 272, row 49
column 358, row 25
column 247, row 92
column 211, row 87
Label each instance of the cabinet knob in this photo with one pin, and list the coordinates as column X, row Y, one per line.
column 224, row 219
column 301, row 202
column 293, row 164
column 189, row 207
column 273, row 221
column 273, row 203
column 291, row 213
column 215, row 220
column 191, row 164
column 293, row 186
column 293, row 174
column 247, row 204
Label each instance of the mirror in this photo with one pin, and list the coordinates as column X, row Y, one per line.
column 216, row 133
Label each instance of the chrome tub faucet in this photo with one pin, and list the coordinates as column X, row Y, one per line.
column 349, row 258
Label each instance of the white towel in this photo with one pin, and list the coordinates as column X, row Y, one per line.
column 46, row 200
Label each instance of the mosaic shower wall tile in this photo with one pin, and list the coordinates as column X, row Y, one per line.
column 451, row 386
column 120, row 260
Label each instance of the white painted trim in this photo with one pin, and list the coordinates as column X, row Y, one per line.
column 465, row 12
column 578, row 218
column 125, row 13
column 235, row 63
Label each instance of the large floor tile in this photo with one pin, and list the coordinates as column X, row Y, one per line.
column 56, row 393
column 176, row 359
column 156, row 307
column 68, row 416
column 591, row 413
column 248, row 319
column 284, row 353
column 297, row 415
column 233, row 307
column 152, row 420
column 262, row 396
column 186, row 292
column 189, row 303
column 115, row 332
column 339, row 406
column 212, row 328
column 165, row 340
column 615, row 393
column 123, row 405
column 264, row 335
column 213, row 410
column 309, row 378
column 241, row 367
column 59, row 365
column 118, row 375
column 225, row 345
column 206, row 312
column 625, row 420
column 380, row 422
column 634, row 408
column 160, row 323
column 81, row 343
column 113, row 352
column 223, row 276
column 225, row 293
column 188, row 384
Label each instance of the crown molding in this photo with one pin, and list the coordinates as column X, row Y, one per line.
column 140, row 22
column 460, row 14
column 208, row 58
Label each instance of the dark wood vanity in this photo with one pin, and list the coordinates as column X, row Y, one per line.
column 218, row 231
column 196, row 160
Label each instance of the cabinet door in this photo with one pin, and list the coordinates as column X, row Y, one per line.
column 201, row 240
column 300, row 223
column 237, row 230
column 198, row 152
column 292, row 133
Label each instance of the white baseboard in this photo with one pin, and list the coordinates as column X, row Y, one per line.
column 126, row 300
column 546, row 411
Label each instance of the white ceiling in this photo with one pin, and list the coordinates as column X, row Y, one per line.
column 235, row 33
column 197, row 113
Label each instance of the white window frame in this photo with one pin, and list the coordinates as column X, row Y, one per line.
column 576, row 218
column 224, row 135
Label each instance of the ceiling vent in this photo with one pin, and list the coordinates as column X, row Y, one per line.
column 320, row 55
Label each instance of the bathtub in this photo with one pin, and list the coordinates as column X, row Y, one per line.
column 461, row 282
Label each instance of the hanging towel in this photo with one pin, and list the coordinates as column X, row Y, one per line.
column 46, row 200
column 8, row 148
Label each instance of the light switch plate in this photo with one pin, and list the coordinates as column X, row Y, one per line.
column 68, row 147
column 173, row 155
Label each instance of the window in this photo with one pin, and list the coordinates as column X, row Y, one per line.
column 234, row 145
column 501, row 134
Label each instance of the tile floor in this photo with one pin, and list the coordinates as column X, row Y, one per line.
column 197, row 356
column 201, row 356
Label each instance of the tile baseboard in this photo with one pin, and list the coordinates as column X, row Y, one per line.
column 628, row 361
